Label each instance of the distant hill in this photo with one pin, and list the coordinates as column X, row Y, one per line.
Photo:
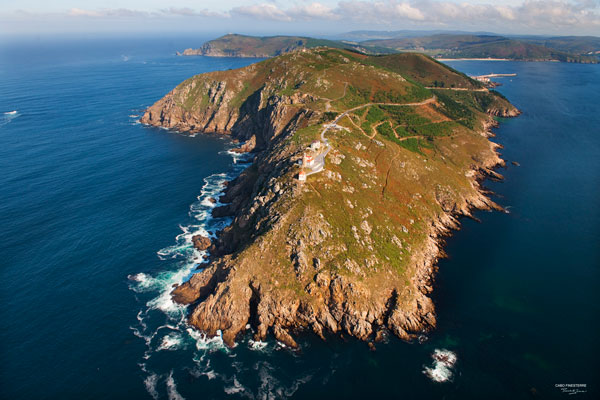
column 488, row 46
column 234, row 45
column 578, row 49
column 582, row 45
column 364, row 35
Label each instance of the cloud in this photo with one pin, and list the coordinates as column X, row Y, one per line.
column 530, row 13
column 262, row 11
column 312, row 11
column 188, row 12
column 557, row 16
column 108, row 12
column 407, row 11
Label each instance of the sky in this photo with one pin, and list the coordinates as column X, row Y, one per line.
column 323, row 17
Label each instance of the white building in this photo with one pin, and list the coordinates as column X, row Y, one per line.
column 315, row 145
column 308, row 161
column 302, row 176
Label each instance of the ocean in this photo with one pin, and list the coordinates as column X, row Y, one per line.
column 97, row 213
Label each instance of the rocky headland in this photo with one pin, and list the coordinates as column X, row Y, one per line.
column 353, row 249
column 442, row 46
column 235, row 45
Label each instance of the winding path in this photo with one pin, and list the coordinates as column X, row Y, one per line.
column 319, row 163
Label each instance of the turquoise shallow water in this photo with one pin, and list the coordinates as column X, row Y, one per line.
column 96, row 213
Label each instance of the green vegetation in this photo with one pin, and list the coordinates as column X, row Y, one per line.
column 329, row 116
column 424, row 70
column 355, row 97
column 375, row 114
column 492, row 46
column 436, row 129
column 386, row 131
column 358, row 229
column 567, row 49
column 415, row 94
column 456, row 106
column 341, row 80
column 411, row 144
column 235, row 45
column 404, row 116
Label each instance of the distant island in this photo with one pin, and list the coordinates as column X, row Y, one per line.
column 362, row 164
column 451, row 46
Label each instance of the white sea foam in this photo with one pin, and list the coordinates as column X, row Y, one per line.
column 235, row 388
column 258, row 345
column 296, row 385
column 150, row 383
column 204, row 342
column 135, row 119
column 172, row 392
column 185, row 260
column 8, row 116
column 172, row 341
column 443, row 366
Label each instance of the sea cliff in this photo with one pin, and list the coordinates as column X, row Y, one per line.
column 353, row 249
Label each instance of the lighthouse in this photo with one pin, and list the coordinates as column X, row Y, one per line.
column 308, row 161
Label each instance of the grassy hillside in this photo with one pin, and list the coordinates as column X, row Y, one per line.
column 581, row 45
column 235, row 45
column 351, row 249
column 425, row 71
column 479, row 46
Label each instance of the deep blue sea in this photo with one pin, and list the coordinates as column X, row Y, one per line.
column 96, row 213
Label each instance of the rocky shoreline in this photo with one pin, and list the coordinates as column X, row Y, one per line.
column 407, row 326
column 282, row 267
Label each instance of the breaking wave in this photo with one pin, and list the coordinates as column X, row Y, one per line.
column 135, row 118
column 442, row 369
column 161, row 323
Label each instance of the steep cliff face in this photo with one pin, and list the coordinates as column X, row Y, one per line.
column 224, row 104
column 233, row 45
column 211, row 49
column 353, row 249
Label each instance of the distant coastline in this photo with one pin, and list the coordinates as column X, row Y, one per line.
column 440, row 47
